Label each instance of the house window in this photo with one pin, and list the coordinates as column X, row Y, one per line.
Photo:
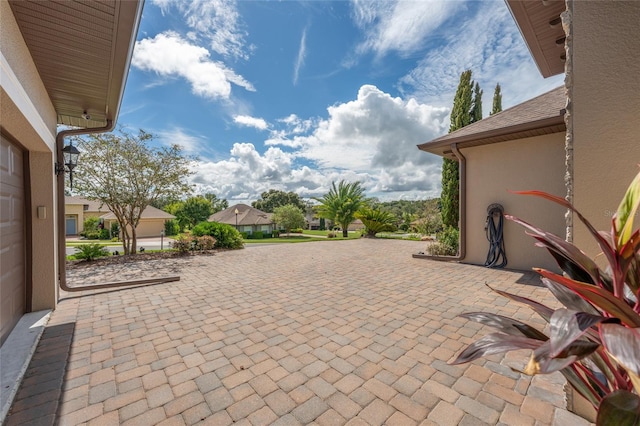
column 85, row 207
column 264, row 228
column 247, row 229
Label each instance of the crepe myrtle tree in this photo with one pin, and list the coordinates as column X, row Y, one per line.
column 341, row 203
column 125, row 172
column 289, row 217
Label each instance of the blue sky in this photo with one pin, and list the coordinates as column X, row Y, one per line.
column 293, row 95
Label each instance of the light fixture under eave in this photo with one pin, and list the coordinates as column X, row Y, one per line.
column 70, row 157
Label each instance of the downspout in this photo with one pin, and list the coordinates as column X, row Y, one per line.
column 62, row 256
column 462, row 193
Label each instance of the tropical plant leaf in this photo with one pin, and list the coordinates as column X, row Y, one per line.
column 580, row 385
column 576, row 262
column 567, row 326
column 542, row 310
column 568, row 298
column 604, row 244
column 541, row 361
column 624, row 346
column 495, row 343
column 505, row 324
column 569, row 267
column 599, row 297
column 623, row 219
column 619, row 408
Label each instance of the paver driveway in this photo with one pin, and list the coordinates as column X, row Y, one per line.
column 350, row 332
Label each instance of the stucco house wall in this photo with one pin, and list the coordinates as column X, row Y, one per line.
column 523, row 164
column 29, row 121
column 605, row 97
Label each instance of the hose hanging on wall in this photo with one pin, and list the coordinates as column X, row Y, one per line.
column 494, row 227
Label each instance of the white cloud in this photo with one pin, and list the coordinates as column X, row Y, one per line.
column 401, row 26
column 249, row 121
column 169, row 55
column 300, row 58
column 371, row 139
column 192, row 144
column 217, row 21
column 495, row 53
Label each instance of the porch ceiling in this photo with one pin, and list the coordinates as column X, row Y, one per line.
column 82, row 50
column 540, row 25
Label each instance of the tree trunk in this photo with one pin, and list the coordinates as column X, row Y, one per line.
column 134, row 240
column 345, row 231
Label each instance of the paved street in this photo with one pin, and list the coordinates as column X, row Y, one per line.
column 330, row 333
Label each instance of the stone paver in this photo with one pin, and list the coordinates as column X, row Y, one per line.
column 346, row 332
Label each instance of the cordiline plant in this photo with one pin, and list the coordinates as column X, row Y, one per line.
column 594, row 339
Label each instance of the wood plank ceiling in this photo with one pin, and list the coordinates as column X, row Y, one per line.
column 82, row 51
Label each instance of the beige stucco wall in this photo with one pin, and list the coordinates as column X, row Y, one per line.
column 146, row 227
column 525, row 164
column 27, row 115
column 150, row 227
column 606, row 107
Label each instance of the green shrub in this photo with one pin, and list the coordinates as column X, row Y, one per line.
column 104, row 234
column 258, row 235
column 91, row 251
column 90, row 226
column 245, row 235
column 171, row 227
column 115, row 230
column 226, row 235
column 297, row 230
column 447, row 244
column 275, row 234
column 93, row 235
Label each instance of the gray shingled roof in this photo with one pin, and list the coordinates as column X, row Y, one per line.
column 541, row 115
column 247, row 215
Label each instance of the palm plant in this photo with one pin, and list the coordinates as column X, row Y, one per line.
column 341, row 203
column 376, row 220
column 594, row 340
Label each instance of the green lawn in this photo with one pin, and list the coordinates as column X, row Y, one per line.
column 304, row 238
column 101, row 242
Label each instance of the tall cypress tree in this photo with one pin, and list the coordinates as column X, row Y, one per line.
column 460, row 117
column 497, row 100
column 476, row 108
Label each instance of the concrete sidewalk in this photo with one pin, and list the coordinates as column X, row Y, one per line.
column 348, row 332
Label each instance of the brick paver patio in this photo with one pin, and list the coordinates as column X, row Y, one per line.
column 328, row 333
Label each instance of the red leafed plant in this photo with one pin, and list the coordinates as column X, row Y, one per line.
column 594, row 340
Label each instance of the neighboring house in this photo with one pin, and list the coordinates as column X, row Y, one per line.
column 245, row 219
column 591, row 161
column 356, row 225
column 151, row 222
column 77, row 210
column 61, row 63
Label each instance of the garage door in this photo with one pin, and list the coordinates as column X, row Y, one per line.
column 12, row 236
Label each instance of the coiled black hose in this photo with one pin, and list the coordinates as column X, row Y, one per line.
column 497, row 257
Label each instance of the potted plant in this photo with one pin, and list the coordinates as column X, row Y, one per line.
column 594, row 339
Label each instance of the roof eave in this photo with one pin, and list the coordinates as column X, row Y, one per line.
column 533, row 32
column 442, row 146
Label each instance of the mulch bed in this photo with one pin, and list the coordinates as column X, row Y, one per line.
column 138, row 257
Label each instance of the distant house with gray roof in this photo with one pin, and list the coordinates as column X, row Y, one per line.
column 245, row 218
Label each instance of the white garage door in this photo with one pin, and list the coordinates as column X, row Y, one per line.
column 12, row 236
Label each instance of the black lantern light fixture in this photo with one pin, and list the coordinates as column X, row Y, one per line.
column 70, row 154
column 236, row 212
